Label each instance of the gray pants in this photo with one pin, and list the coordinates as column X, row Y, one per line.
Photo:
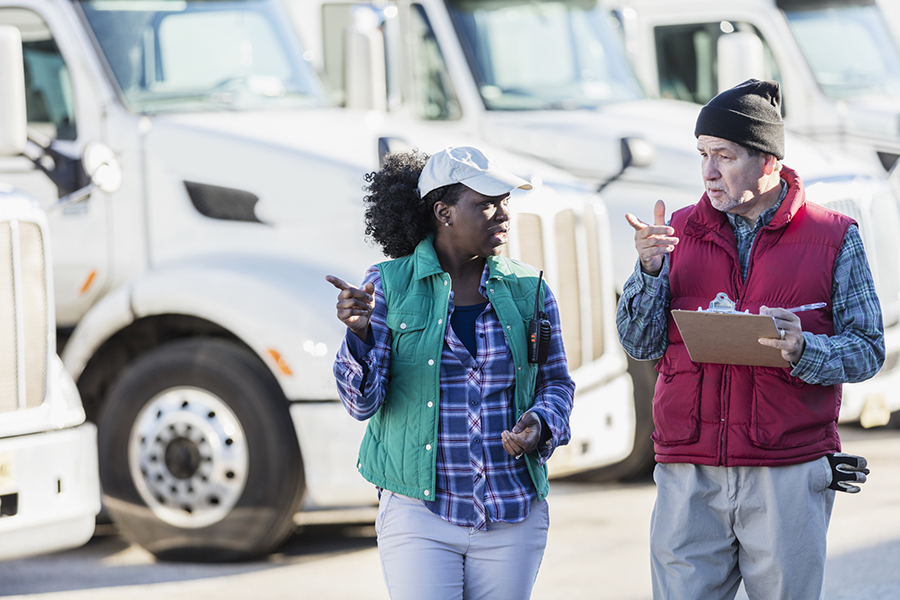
column 425, row 557
column 713, row 526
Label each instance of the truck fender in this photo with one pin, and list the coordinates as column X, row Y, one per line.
column 282, row 310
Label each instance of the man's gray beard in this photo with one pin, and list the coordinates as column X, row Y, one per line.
column 725, row 207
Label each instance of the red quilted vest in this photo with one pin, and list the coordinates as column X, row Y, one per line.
column 726, row 415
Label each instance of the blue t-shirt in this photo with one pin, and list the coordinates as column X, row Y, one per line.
column 463, row 322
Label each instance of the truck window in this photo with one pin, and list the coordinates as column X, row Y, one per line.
column 336, row 18
column 849, row 48
column 49, row 100
column 434, row 96
column 578, row 62
column 686, row 59
column 197, row 55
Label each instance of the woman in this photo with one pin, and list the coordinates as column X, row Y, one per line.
column 435, row 357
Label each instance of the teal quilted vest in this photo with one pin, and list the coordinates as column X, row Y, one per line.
column 398, row 452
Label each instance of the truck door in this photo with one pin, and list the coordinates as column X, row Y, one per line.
column 66, row 121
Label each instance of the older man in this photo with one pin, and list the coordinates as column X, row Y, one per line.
column 745, row 477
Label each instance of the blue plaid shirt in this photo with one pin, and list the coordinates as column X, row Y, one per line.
column 477, row 481
column 854, row 353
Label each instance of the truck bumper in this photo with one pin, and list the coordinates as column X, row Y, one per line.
column 871, row 402
column 49, row 491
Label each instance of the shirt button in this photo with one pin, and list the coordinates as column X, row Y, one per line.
column 402, row 325
column 474, row 402
column 430, row 404
column 428, row 446
column 430, row 362
column 445, row 282
column 477, row 440
column 481, row 335
column 427, row 492
column 508, row 327
column 440, row 321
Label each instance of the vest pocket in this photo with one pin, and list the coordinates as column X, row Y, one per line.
column 407, row 330
column 676, row 402
column 788, row 413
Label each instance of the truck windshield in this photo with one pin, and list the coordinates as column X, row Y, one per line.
column 543, row 54
column 850, row 50
column 194, row 55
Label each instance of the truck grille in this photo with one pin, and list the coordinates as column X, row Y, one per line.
column 879, row 221
column 23, row 316
column 566, row 246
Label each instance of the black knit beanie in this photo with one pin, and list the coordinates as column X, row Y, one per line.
column 748, row 114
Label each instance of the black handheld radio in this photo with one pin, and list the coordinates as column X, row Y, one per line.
column 538, row 331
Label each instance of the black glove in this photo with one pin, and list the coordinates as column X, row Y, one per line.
column 847, row 469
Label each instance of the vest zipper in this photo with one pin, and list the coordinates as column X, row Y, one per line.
column 723, row 457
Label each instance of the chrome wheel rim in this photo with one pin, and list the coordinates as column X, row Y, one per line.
column 188, row 457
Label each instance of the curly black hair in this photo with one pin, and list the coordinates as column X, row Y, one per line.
column 396, row 218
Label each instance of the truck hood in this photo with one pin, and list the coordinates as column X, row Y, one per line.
column 354, row 137
column 303, row 173
column 586, row 142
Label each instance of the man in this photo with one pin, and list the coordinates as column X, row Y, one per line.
column 745, row 453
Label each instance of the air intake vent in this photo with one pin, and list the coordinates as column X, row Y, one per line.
column 223, row 203
column 565, row 244
column 23, row 316
column 568, row 294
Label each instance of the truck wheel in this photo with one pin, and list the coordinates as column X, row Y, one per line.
column 199, row 460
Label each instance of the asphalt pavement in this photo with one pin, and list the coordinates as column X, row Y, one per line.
column 597, row 550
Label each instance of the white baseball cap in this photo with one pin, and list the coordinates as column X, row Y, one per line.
column 470, row 167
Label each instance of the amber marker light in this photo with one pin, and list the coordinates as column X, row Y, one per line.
column 88, row 282
column 280, row 362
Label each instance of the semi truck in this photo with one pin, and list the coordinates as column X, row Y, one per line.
column 191, row 304
column 838, row 62
column 49, row 482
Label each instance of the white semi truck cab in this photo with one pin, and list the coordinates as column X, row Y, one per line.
column 838, row 62
column 49, row 483
column 197, row 321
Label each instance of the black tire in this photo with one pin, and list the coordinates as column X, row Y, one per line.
column 639, row 464
column 205, row 466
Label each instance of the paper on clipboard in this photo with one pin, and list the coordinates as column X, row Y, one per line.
column 727, row 337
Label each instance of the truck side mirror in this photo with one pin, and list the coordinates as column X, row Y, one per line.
column 365, row 74
column 13, row 119
column 636, row 152
column 102, row 167
column 740, row 57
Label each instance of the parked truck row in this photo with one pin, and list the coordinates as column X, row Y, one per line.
column 190, row 298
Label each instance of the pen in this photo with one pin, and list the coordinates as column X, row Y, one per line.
column 813, row 306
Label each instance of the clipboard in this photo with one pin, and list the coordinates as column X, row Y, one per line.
column 720, row 335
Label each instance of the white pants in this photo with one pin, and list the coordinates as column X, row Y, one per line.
column 425, row 557
column 713, row 526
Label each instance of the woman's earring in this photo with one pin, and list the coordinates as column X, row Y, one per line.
column 446, row 223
